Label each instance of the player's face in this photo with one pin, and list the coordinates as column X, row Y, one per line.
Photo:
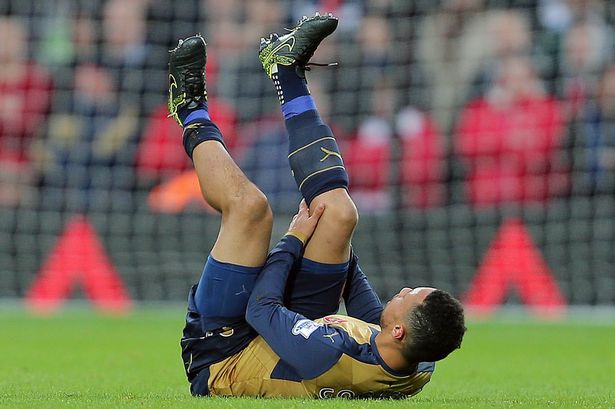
column 399, row 306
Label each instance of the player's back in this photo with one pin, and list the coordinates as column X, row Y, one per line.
column 358, row 371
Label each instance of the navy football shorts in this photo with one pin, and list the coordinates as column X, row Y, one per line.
column 215, row 323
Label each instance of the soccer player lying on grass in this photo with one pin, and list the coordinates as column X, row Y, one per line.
column 260, row 324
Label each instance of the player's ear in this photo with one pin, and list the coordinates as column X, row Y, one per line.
column 398, row 332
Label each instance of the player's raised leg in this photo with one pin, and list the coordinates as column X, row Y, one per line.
column 317, row 166
column 243, row 240
column 314, row 156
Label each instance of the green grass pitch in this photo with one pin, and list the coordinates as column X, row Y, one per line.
column 79, row 359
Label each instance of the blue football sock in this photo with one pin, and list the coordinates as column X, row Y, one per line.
column 289, row 84
column 189, row 115
column 314, row 156
column 313, row 152
column 198, row 127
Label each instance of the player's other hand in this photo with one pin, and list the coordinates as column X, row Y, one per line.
column 303, row 224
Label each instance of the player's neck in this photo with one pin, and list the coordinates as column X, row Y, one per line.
column 390, row 353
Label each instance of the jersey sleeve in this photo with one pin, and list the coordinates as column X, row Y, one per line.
column 361, row 300
column 299, row 342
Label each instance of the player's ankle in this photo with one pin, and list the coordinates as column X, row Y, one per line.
column 197, row 113
column 289, row 84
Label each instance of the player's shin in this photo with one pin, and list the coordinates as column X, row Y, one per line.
column 314, row 156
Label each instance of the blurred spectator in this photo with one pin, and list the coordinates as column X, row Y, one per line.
column 593, row 142
column 233, row 37
column 450, row 50
column 25, row 91
column 559, row 15
column 87, row 155
column 138, row 69
column 367, row 158
column 364, row 65
column 55, row 48
column 160, row 154
column 85, row 39
column 510, row 35
column 70, row 37
column 459, row 45
column 586, row 49
column 124, row 32
column 224, row 27
column 509, row 140
column 369, row 155
column 266, row 163
column 564, row 41
column 168, row 21
column 423, row 161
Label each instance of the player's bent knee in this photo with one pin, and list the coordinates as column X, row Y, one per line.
column 252, row 207
column 343, row 214
column 340, row 210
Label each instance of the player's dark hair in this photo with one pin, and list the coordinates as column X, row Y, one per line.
column 436, row 328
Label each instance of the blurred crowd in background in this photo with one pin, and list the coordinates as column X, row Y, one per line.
column 483, row 102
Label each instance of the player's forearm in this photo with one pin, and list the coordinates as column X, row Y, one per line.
column 285, row 331
column 268, row 292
